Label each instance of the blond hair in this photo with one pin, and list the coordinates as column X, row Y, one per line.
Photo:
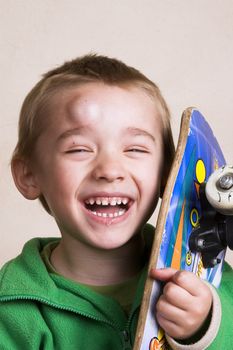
column 86, row 69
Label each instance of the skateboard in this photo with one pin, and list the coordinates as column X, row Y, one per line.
column 181, row 241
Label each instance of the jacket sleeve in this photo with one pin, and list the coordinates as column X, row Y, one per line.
column 224, row 338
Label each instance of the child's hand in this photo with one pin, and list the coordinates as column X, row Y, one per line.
column 184, row 304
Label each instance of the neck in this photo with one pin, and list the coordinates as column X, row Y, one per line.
column 81, row 263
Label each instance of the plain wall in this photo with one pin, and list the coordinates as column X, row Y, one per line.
column 186, row 47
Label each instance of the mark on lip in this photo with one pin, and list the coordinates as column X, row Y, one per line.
column 107, row 214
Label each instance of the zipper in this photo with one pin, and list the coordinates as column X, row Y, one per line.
column 60, row 307
column 126, row 340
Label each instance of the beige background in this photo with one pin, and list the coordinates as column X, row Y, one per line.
column 184, row 46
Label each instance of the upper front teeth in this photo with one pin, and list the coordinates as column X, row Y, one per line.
column 107, row 201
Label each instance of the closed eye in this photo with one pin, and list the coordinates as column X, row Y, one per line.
column 138, row 150
column 78, row 150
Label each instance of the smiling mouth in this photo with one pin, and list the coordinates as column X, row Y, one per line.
column 108, row 207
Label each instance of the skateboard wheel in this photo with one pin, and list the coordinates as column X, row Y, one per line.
column 219, row 190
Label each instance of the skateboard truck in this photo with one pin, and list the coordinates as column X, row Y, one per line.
column 215, row 230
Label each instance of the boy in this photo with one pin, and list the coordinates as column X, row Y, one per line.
column 95, row 146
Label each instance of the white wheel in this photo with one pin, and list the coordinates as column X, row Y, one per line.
column 219, row 190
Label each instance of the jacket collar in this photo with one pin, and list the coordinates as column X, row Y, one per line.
column 26, row 277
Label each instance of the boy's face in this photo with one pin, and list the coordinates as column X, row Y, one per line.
column 98, row 162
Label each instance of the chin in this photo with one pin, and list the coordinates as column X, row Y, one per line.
column 111, row 245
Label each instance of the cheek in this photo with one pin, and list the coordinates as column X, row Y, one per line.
column 152, row 176
column 149, row 180
column 55, row 180
column 152, row 170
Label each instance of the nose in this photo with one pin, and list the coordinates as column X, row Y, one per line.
column 108, row 167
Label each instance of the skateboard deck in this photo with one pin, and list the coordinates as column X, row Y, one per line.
column 198, row 155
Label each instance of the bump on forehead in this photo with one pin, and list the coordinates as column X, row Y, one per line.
column 79, row 108
column 78, row 105
column 86, row 101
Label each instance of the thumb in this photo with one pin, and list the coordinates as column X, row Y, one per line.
column 163, row 275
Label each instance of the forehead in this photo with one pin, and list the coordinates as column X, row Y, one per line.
column 91, row 102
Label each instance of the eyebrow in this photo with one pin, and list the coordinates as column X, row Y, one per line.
column 140, row 132
column 76, row 131
column 131, row 130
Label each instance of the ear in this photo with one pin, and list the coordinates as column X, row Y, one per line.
column 24, row 179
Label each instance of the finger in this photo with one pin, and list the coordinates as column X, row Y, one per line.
column 163, row 275
column 185, row 279
column 169, row 311
column 190, row 282
column 171, row 328
column 176, row 295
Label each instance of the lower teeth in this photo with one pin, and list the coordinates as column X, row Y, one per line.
column 109, row 215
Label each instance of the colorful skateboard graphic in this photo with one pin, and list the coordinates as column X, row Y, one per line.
column 198, row 155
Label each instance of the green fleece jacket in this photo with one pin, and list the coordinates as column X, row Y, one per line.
column 41, row 310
